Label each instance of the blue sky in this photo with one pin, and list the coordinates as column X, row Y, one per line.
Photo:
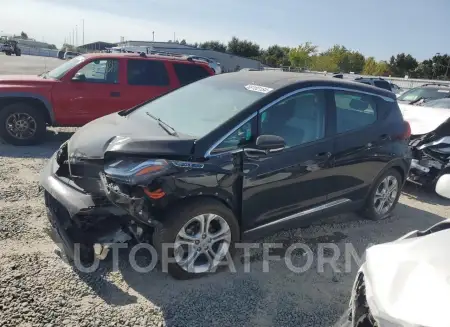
column 377, row 28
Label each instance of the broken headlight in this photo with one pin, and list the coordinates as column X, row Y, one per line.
column 136, row 171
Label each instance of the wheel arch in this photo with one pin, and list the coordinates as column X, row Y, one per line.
column 37, row 101
column 400, row 165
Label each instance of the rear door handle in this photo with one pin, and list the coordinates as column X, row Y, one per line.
column 115, row 94
column 323, row 155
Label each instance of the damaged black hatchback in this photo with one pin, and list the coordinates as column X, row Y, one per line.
column 231, row 157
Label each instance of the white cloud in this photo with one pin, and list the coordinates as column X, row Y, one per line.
column 53, row 23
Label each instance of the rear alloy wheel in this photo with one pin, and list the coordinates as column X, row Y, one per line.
column 199, row 236
column 21, row 124
column 384, row 196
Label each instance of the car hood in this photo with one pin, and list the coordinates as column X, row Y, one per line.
column 124, row 134
column 423, row 119
column 408, row 281
column 23, row 79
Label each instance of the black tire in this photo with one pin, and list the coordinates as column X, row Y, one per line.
column 8, row 53
column 369, row 211
column 178, row 217
column 18, row 52
column 26, row 109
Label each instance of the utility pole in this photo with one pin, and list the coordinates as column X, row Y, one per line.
column 76, row 35
column 73, row 37
column 83, row 31
column 153, row 36
column 173, row 36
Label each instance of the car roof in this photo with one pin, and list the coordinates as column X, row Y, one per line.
column 183, row 59
column 279, row 79
column 433, row 85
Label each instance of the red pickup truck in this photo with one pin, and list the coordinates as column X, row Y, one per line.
column 88, row 87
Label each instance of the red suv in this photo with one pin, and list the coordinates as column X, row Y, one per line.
column 88, row 87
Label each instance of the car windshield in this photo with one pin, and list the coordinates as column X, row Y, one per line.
column 439, row 103
column 198, row 108
column 424, row 92
column 61, row 70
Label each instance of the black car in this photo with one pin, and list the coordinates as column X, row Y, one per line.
column 229, row 158
column 425, row 92
column 375, row 81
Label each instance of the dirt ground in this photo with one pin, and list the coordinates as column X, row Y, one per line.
column 38, row 289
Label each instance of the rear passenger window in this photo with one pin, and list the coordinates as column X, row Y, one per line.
column 147, row 72
column 189, row 73
column 354, row 110
column 382, row 84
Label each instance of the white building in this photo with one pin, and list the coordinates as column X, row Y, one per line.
column 228, row 62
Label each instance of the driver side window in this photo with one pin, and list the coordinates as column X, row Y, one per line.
column 100, row 71
column 299, row 119
column 243, row 135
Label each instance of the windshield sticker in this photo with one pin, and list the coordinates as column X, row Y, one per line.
column 443, row 91
column 258, row 88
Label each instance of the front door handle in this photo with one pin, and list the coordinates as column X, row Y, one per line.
column 115, row 94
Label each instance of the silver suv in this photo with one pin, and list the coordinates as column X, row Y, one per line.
column 212, row 64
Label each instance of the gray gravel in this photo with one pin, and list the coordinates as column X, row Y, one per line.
column 37, row 288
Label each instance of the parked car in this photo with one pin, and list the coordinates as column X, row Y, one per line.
column 228, row 158
column 396, row 89
column 429, row 91
column 70, row 55
column 430, row 144
column 212, row 63
column 404, row 282
column 375, row 81
column 85, row 88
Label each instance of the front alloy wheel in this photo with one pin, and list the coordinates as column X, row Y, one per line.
column 202, row 243
column 21, row 125
column 199, row 235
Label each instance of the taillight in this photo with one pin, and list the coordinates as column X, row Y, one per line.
column 407, row 133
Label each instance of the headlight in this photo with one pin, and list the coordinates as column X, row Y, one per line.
column 135, row 171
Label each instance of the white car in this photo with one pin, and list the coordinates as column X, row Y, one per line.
column 430, row 144
column 405, row 283
column 70, row 55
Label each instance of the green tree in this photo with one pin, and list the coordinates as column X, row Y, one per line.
column 370, row 66
column 24, row 35
column 213, row 45
column 323, row 63
column 356, row 62
column 243, row 48
column 183, row 41
column 276, row 56
column 301, row 55
column 52, row 47
column 402, row 64
column 382, row 68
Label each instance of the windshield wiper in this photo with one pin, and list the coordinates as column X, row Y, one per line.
column 169, row 129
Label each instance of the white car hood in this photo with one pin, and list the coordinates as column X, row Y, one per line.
column 408, row 281
column 423, row 119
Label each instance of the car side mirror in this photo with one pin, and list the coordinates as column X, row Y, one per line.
column 79, row 77
column 270, row 143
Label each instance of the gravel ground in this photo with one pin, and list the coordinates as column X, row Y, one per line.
column 37, row 288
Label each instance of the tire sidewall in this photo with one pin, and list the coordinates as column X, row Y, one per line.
column 370, row 212
column 22, row 108
column 177, row 218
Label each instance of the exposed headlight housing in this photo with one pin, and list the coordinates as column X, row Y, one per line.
column 136, row 171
